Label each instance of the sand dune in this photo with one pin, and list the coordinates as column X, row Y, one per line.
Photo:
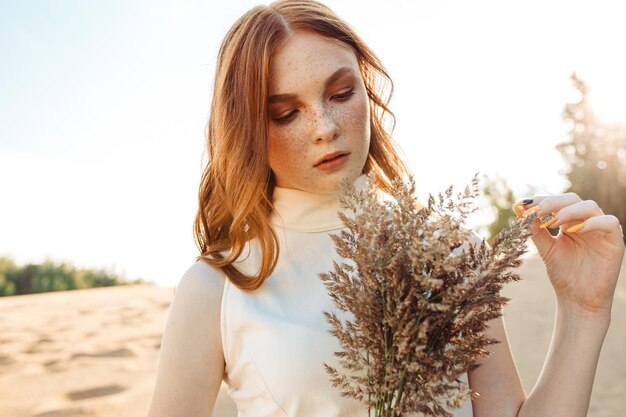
column 95, row 352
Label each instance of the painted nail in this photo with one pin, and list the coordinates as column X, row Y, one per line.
column 531, row 211
column 527, row 201
column 575, row 228
column 518, row 209
column 548, row 219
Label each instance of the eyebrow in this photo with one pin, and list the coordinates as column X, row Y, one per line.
column 334, row 77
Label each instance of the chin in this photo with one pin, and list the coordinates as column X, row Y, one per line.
column 333, row 183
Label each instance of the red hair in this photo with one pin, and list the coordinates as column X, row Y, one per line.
column 236, row 188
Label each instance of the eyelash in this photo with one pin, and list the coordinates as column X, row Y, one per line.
column 342, row 97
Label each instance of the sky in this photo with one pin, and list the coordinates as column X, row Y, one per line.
column 104, row 105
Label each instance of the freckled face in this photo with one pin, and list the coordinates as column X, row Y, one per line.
column 318, row 109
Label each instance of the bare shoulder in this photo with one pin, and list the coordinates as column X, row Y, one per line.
column 191, row 360
column 201, row 279
column 198, row 294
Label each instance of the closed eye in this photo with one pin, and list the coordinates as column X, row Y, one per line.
column 285, row 119
column 340, row 97
column 344, row 96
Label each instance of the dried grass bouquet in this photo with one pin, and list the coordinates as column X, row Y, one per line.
column 415, row 301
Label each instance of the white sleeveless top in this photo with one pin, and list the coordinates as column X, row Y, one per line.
column 276, row 339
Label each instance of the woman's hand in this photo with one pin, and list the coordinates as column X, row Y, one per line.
column 583, row 266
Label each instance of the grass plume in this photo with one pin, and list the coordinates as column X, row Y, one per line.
column 413, row 297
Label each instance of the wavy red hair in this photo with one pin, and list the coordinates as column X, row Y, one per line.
column 235, row 193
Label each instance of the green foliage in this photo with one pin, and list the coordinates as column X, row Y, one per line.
column 50, row 276
column 499, row 199
column 7, row 266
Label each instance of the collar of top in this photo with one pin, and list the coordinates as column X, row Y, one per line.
column 309, row 212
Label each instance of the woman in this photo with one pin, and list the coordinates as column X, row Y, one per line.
column 298, row 105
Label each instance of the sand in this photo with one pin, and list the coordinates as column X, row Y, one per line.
column 95, row 352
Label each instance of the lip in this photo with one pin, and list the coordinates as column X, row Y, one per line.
column 330, row 156
column 334, row 163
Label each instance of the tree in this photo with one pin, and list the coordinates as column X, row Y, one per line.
column 596, row 155
column 51, row 276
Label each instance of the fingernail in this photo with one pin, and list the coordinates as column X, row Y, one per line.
column 575, row 228
column 527, row 201
column 553, row 232
column 547, row 220
column 531, row 211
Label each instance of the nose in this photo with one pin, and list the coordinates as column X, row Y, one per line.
column 325, row 127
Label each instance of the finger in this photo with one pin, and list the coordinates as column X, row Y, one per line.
column 568, row 225
column 608, row 224
column 555, row 202
column 546, row 203
column 575, row 212
column 543, row 239
column 520, row 207
column 555, row 230
column 546, row 207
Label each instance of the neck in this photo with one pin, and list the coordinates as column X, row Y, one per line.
column 309, row 212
